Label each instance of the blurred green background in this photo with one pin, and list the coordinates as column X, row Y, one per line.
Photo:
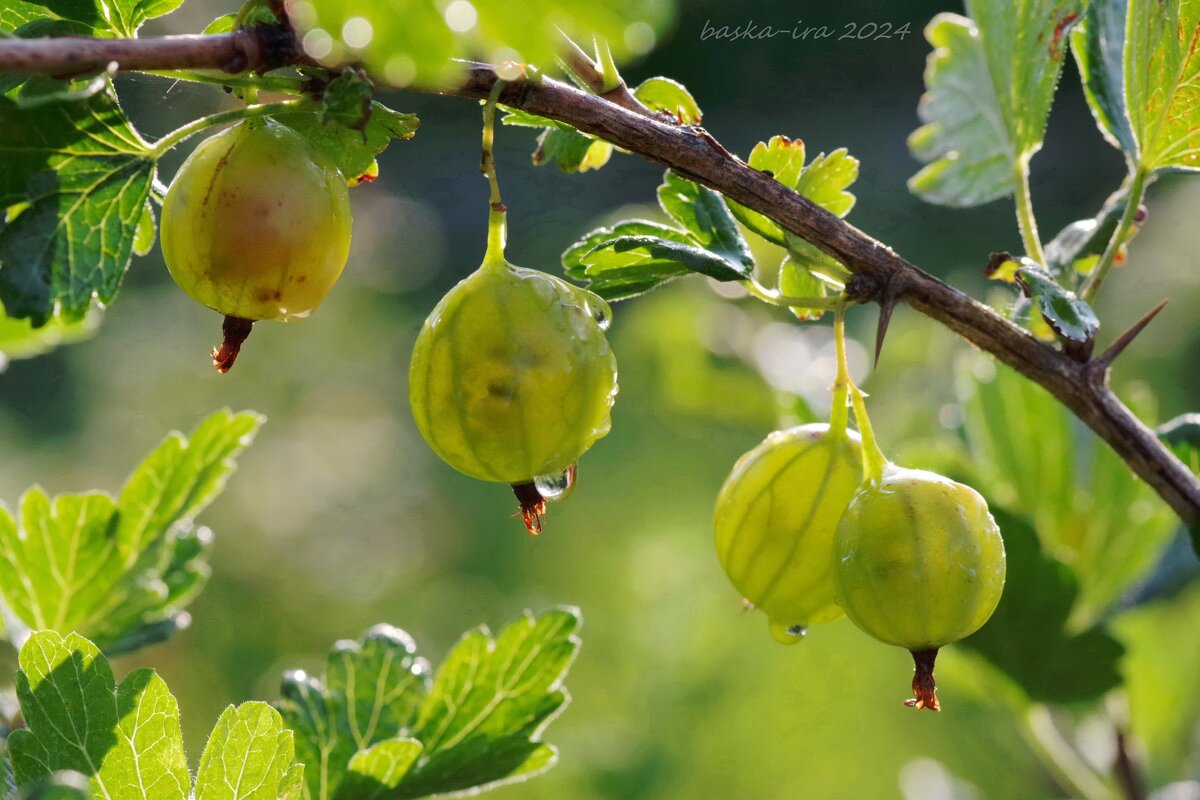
column 340, row 517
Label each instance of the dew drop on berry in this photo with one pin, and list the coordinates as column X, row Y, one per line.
column 556, row 487
column 597, row 308
column 788, row 634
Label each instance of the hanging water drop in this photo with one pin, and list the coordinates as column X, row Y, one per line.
column 557, row 487
column 788, row 634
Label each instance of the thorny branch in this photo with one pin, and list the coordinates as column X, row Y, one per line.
column 880, row 274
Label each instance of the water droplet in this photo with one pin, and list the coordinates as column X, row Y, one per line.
column 788, row 634
column 595, row 306
column 557, row 487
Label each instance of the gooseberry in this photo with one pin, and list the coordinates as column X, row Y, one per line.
column 512, row 379
column 919, row 563
column 775, row 519
column 256, row 225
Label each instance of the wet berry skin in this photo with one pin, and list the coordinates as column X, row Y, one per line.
column 775, row 520
column 919, row 560
column 512, row 377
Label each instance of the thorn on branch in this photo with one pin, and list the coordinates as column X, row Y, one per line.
column 864, row 288
column 1125, row 339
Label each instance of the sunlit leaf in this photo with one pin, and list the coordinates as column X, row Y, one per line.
column 627, row 266
column 380, row 729
column 670, row 97
column 704, row 214
column 481, row 724
column 353, row 151
column 415, row 41
column 121, row 570
column 571, row 150
column 20, row 339
column 796, row 280
column 370, row 695
column 1162, row 82
column 572, row 258
column 16, row 13
column 86, row 175
column 248, row 756
column 990, row 81
column 126, row 739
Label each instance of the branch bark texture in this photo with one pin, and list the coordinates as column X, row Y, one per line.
column 880, row 274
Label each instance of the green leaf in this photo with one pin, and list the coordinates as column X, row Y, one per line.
column 121, row 570
column 796, row 280
column 16, row 13
column 1070, row 316
column 523, row 119
column 670, row 97
column 346, row 100
column 147, row 230
column 1027, row 636
column 1182, row 435
column 784, row 159
column 1075, row 249
column 1140, row 62
column 412, row 41
column 380, row 730
column 19, row 339
column 371, row 693
column 483, row 718
column 1162, row 82
column 1099, row 47
column 627, row 266
column 570, row 150
column 353, row 151
column 703, row 214
column 127, row 16
column 1163, row 644
column 823, row 181
column 65, row 785
column 572, row 258
column 1088, row 509
column 125, row 739
column 222, row 24
column 40, row 90
column 560, row 144
column 248, row 756
column 990, row 82
column 380, row 768
column 86, row 175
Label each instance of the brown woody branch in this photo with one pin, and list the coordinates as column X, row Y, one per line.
column 259, row 48
column 880, row 274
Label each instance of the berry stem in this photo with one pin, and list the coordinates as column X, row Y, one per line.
column 873, row 458
column 923, row 684
column 235, row 330
column 498, row 212
column 233, row 115
column 839, row 414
